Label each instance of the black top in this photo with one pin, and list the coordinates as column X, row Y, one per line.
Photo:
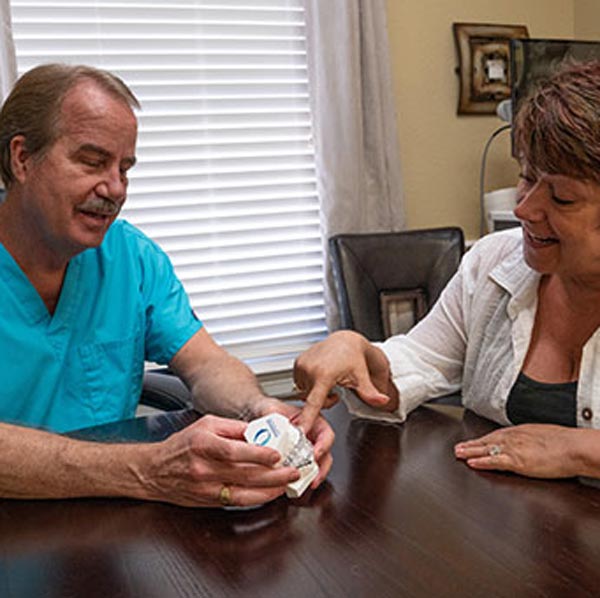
column 533, row 402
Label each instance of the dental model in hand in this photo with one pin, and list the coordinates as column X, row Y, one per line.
column 276, row 431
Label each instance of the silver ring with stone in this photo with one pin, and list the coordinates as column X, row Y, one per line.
column 494, row 450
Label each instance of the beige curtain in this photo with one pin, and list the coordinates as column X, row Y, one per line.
column 356, row 141
column 8, row 62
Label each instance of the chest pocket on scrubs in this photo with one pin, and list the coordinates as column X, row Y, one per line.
column 112, row 377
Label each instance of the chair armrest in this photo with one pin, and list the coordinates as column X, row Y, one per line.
column 165, row 391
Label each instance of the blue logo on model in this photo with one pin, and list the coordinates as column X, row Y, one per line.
column 262, row 437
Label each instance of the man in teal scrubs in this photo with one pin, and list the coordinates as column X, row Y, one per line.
column 86, row 300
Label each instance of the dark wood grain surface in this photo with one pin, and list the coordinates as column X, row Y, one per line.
column 398, row 516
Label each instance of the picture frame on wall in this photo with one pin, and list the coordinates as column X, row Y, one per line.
column 484, row 64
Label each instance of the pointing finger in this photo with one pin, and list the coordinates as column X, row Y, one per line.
column 316, row 398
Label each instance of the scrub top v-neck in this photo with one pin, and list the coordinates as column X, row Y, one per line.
column 120, row 304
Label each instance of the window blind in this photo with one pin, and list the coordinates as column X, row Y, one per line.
column 225, row 180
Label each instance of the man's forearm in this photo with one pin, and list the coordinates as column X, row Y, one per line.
column 231, row 389
column 189, row 468
column 220, row 383
column 36, row 464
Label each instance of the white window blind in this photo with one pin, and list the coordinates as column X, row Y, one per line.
column 225, row 180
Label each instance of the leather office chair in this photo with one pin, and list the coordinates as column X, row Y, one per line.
column 163, row 390
column 375, row 271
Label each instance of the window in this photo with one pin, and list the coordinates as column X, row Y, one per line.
column 225, row 180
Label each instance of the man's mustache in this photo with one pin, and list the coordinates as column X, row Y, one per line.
column 101, row 205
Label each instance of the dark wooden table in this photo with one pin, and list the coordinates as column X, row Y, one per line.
column 398, row 516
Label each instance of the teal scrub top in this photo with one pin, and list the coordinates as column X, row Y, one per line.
column 121, row 304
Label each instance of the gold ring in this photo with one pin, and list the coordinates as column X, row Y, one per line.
column 225, row 495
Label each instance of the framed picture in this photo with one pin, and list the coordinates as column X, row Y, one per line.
column 401, row 310
column 484, row 64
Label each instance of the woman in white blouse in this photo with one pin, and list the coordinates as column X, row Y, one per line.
column 517, row 329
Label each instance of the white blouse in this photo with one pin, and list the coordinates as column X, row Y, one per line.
column 476, row 337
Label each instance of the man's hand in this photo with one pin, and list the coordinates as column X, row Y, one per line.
column 191, row 467
column 346, row 359
column 223, row 385
column 534, row 450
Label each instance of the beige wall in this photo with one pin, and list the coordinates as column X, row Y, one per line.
column 587, row 19
column 440, row 151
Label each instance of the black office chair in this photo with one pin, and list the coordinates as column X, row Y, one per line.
column 161, row 389
column 379, row 276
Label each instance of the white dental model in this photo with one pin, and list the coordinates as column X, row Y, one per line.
column 276, row 431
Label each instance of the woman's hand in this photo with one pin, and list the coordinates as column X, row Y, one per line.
column 346, row 359
column 534, row 450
